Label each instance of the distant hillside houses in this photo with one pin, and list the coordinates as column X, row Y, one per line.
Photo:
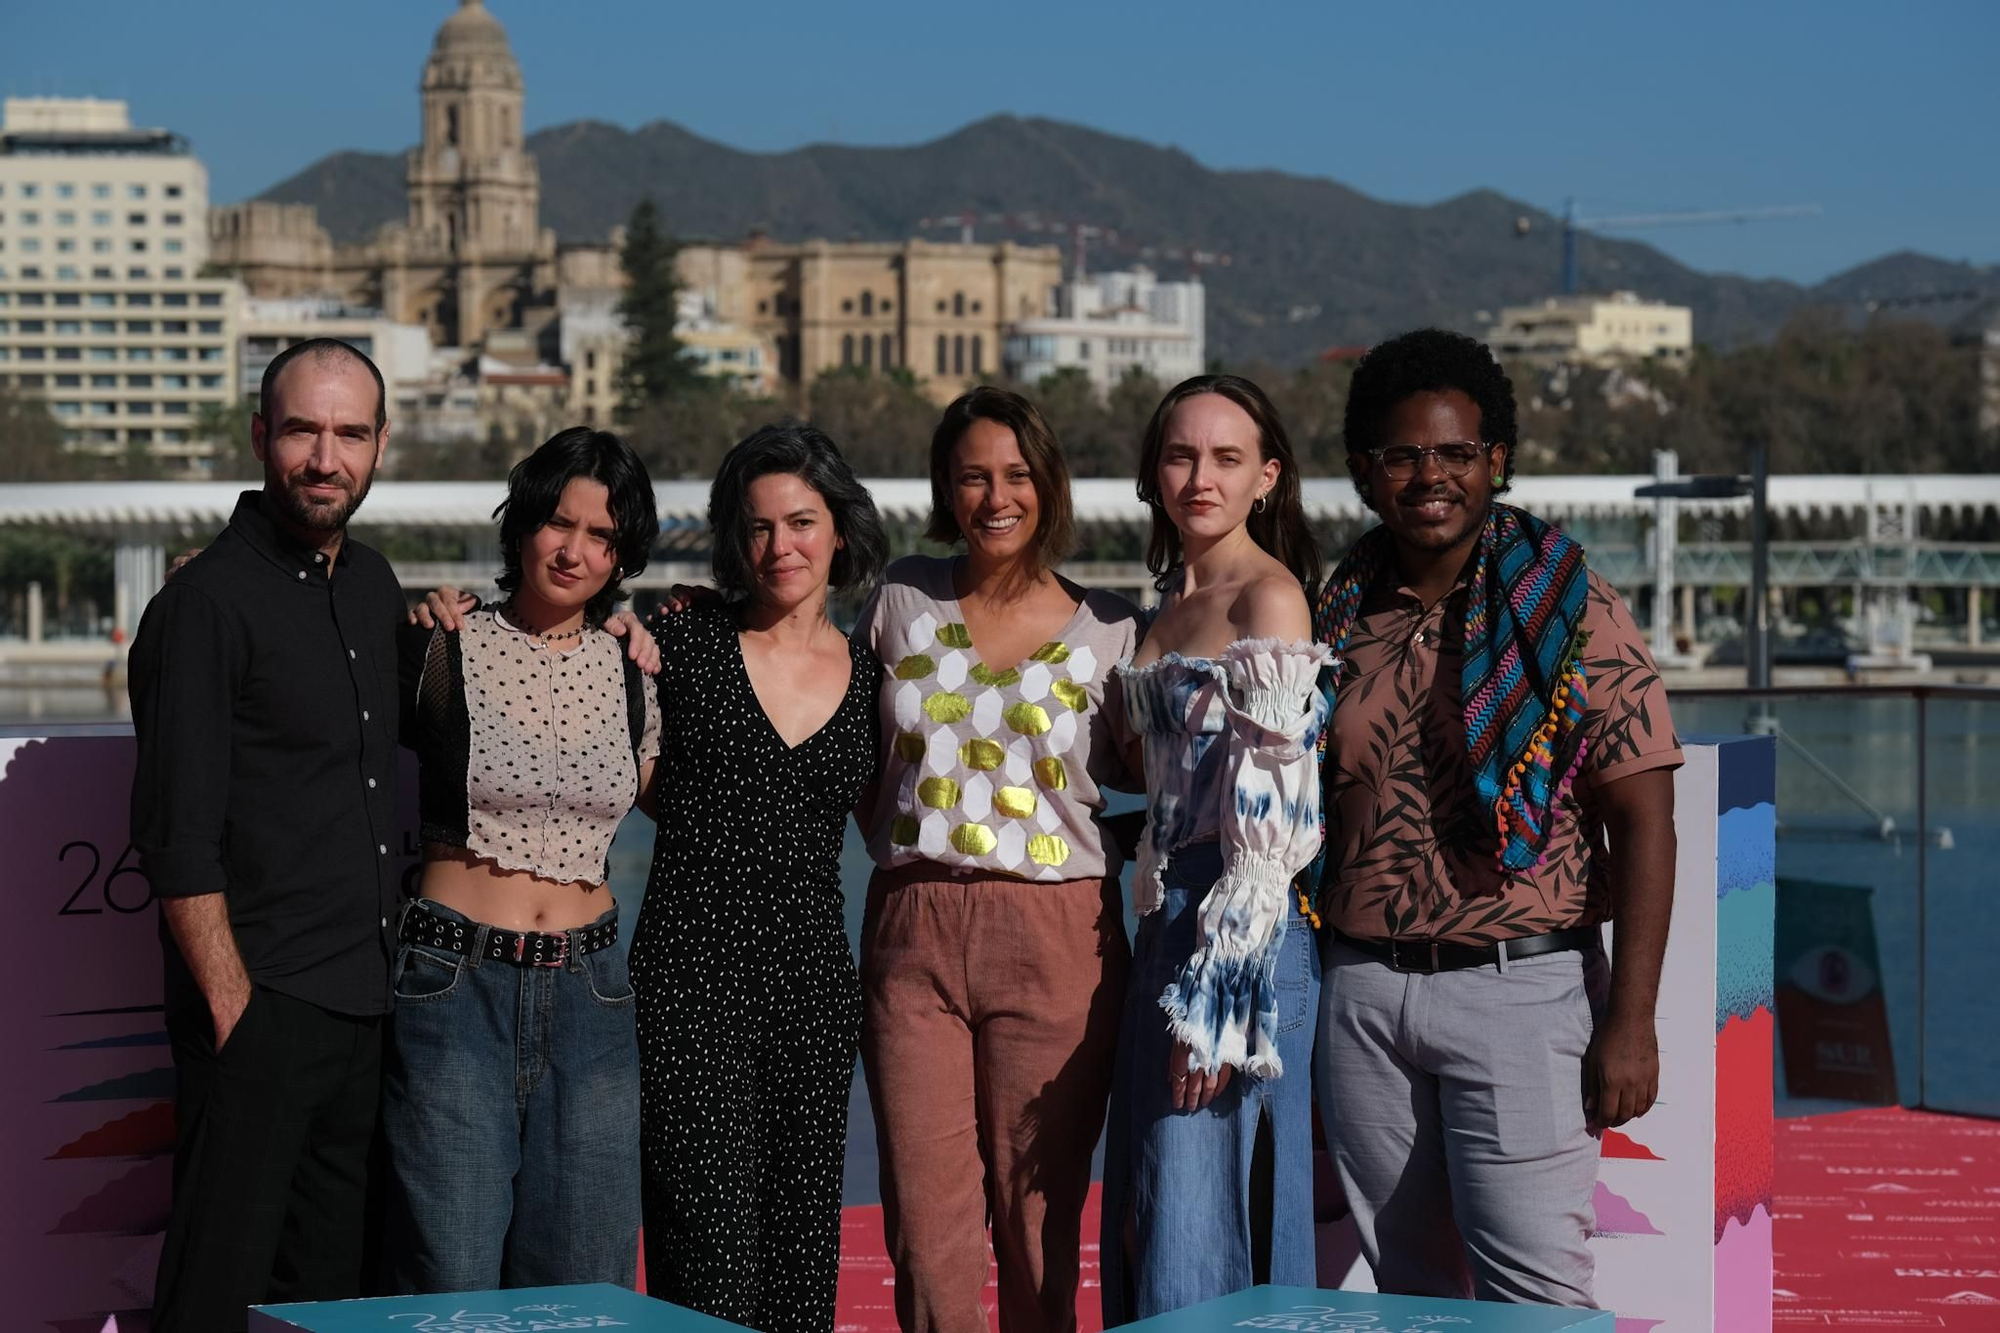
column 1594, row 330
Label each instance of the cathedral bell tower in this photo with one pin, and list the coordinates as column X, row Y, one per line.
column 475, row 196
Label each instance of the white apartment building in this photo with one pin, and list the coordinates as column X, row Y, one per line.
column 1594, row 330
column 1112, row 323
column 402, row 352
column 103, row 309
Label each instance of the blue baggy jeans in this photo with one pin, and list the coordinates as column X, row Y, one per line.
column 1177, row 1185
column 510, row 1111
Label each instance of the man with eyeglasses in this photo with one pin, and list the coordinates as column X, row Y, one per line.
column 1498, row 783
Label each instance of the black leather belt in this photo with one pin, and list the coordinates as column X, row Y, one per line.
column 1440, row 956
column 522, row 948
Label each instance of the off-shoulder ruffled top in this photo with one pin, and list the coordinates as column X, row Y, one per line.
column 1229, row 745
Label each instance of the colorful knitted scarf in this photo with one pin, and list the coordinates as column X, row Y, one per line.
column 1522, row 679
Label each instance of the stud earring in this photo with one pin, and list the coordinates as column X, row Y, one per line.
column 1499, row 480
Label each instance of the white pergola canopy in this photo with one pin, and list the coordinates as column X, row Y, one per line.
column 133, row 510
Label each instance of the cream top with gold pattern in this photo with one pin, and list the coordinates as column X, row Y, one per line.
column 992, row 768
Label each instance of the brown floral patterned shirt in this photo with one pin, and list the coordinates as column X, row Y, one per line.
column 1409, row 853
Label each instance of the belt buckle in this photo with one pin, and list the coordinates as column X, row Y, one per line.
column 521, row 952
column 1426, row 962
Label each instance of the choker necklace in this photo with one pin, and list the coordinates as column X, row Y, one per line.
column 507, row 608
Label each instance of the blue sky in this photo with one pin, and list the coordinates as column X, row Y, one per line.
column 1888, row 116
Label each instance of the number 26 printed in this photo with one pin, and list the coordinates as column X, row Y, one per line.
column 123, row 889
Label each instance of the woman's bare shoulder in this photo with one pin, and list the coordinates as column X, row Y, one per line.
column 1272, row 605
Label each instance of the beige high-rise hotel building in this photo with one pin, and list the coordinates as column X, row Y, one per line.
column 104, row 312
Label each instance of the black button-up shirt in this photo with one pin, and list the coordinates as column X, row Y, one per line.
column 264, row 696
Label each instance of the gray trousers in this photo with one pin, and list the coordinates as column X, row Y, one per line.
column 1454, row 1106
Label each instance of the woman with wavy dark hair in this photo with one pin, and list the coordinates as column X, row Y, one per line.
column 749, row 1009
column 1222, row 701
column 511, row 1073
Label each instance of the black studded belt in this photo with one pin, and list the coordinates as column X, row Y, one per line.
column 522, row 948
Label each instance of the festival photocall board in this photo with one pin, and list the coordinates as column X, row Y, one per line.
column 521, row 1310
column 88, row 1097
column 1683, row 1198
column 1683, row 1201
column 1304, row 1310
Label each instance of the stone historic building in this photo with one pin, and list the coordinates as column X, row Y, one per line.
column 940, row 311
column 473, row 265
column 472, row 255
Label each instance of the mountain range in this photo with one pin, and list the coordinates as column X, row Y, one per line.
column 1311, row 263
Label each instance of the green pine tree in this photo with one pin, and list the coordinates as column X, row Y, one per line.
column 656, row 366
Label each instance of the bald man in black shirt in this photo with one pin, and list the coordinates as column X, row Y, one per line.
column 263, row 683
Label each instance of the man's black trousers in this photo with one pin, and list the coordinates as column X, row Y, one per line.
column 271, row 1160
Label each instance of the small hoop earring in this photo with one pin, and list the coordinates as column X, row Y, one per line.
column 1263, row 502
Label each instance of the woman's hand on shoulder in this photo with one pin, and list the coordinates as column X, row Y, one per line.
column 444, row 608
column 640, row 645
column 1272, row 607
column 685, row 597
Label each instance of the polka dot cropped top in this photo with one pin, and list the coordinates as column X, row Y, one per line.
column 529, row 756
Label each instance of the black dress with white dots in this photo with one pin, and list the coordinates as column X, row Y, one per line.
column 749, row 1006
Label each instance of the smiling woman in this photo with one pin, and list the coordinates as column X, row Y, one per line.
column 993, row 952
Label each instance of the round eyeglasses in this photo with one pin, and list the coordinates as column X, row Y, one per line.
column 1400, row 462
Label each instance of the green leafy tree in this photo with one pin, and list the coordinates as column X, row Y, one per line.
column 31, row 443
column 1311, row 401
column 225, row 429
column 1100, row 434
column 880, row 419
column 422, row 458
column 71, row 569
column 1894, row 396
column 1128, row 409
column 655, row 365
column 685, row 435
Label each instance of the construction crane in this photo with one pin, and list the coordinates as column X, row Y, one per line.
column 1683, row 217
column 1081, row 236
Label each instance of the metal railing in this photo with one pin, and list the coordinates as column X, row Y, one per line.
column 1896, row 789
column 1810, row 564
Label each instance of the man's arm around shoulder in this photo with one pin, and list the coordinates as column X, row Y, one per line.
column 187, row 662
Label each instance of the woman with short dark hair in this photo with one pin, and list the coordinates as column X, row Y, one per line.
column 511, row 1072
column 749, row 1010
column 993, row 953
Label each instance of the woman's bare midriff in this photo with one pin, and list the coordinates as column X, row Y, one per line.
column 509, row 899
